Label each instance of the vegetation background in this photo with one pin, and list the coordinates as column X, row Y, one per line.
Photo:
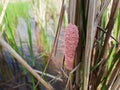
column 32, row 44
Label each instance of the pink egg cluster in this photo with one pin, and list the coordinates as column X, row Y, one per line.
column 71, row 39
